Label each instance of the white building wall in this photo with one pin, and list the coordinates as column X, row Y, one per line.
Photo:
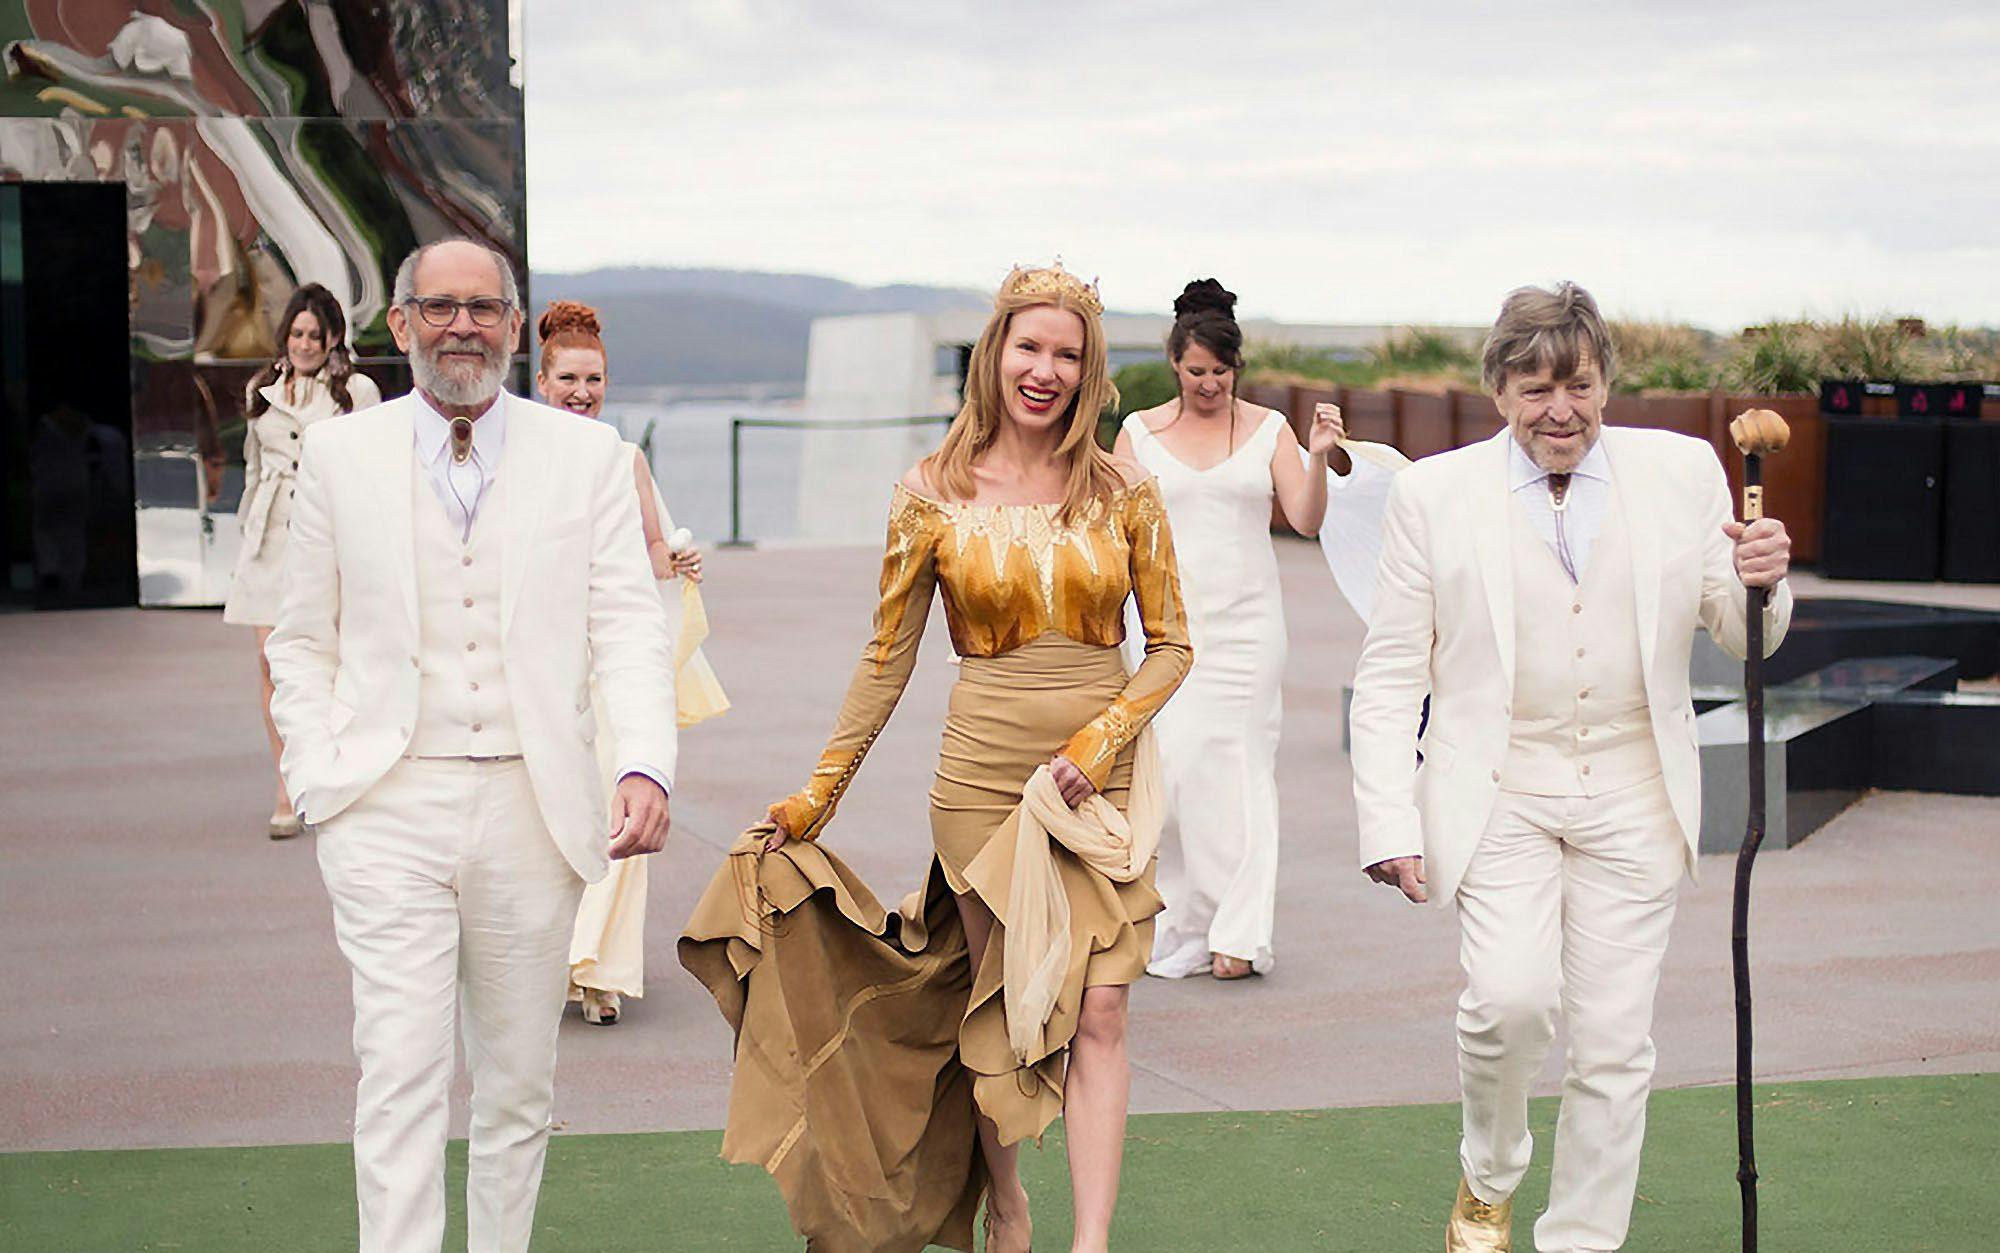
column 869, row 366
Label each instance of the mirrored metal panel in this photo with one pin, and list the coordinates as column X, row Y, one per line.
column 255, row 148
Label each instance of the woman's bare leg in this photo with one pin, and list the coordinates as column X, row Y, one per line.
column 284, row 802
column 1095, row 1098
column 1007, row 1200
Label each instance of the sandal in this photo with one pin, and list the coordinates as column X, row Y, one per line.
column 1225, row 968
column 600, row 1009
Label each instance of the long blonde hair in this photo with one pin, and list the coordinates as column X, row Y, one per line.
column 1093, row 474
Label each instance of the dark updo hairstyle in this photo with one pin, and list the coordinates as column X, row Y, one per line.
column 1205, row 314
column 339, row 367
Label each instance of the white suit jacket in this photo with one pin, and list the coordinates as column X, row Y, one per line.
column 1443, row 627
column 577, row 601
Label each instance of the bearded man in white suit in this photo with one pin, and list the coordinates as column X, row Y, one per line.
column 1543, row 589
column 463, row 563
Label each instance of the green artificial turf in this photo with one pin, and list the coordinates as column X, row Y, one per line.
column 1869, row 1166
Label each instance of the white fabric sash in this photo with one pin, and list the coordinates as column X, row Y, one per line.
column 1356, row 503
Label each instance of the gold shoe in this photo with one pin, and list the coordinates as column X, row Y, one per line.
column 1477, row 1227
column 284, row 826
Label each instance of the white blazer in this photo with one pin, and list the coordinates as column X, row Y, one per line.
column 1443, row 627
column 577, row 602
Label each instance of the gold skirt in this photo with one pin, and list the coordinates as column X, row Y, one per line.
column 863, row 1044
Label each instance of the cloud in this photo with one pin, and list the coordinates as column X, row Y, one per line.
column 1720, row 162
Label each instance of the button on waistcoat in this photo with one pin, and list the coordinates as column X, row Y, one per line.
column 1581, row 724
column 463, row 709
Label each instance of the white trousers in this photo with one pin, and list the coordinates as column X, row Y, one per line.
column 1565, row 907
column 450, row 898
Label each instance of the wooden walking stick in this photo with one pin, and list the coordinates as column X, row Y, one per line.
column 1758, row 433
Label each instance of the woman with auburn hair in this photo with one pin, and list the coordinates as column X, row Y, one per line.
column 1220, row 463
column 607, row 951
column 312, row 379
column 995, row 999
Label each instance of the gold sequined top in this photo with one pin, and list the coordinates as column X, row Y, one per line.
column 1010, row 574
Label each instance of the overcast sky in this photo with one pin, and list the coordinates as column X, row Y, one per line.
column 1713, row 162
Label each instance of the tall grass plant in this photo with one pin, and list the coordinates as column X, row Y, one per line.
column 1878, row 349
column 1784, row 356
column 1777, row 359
column 1421, row 352
column 1663, row 356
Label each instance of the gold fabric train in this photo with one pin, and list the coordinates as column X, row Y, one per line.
column 848, row 1087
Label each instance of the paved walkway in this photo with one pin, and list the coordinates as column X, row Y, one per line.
column 171, row 976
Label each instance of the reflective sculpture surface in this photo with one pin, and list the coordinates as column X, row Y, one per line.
column 259, row 146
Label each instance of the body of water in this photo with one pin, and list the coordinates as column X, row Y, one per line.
column 689, row 441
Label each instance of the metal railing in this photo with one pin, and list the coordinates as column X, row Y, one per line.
column 736, row 427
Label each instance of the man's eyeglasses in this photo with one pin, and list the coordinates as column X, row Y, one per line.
column 443, row 310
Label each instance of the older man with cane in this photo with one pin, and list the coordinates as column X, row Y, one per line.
column 1543, row 588
column 463, row 565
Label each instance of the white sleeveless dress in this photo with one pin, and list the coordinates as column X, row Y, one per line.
column 1218, row 735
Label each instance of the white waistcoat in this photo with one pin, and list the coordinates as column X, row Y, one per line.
column 1580, row 721
column 463, row 707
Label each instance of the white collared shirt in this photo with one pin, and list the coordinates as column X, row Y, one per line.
column 1586, row 501
column 489, row 440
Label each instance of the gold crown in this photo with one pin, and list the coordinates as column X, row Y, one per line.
column 1055, row 283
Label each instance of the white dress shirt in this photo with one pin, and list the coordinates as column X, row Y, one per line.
column 1584, row 503
column 460, row 488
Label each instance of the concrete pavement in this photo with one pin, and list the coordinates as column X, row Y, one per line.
column 171, row 976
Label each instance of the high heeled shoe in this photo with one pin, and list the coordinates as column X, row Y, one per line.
column 284, row 826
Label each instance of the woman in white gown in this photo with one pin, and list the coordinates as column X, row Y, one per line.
column 1220, row 461
column 607, row 949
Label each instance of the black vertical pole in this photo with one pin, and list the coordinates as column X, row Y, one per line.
column 735, row 481
column 1753, row 836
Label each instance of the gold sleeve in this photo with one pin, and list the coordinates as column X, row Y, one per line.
column 909, row 576
column 1156, row 585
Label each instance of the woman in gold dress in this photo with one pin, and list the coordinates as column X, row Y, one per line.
column 883, row 1046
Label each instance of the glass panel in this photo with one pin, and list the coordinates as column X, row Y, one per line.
column 68, row 457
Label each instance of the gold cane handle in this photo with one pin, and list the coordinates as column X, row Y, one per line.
column 1758, row 433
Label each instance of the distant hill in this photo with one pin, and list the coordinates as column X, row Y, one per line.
column 724, row 326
